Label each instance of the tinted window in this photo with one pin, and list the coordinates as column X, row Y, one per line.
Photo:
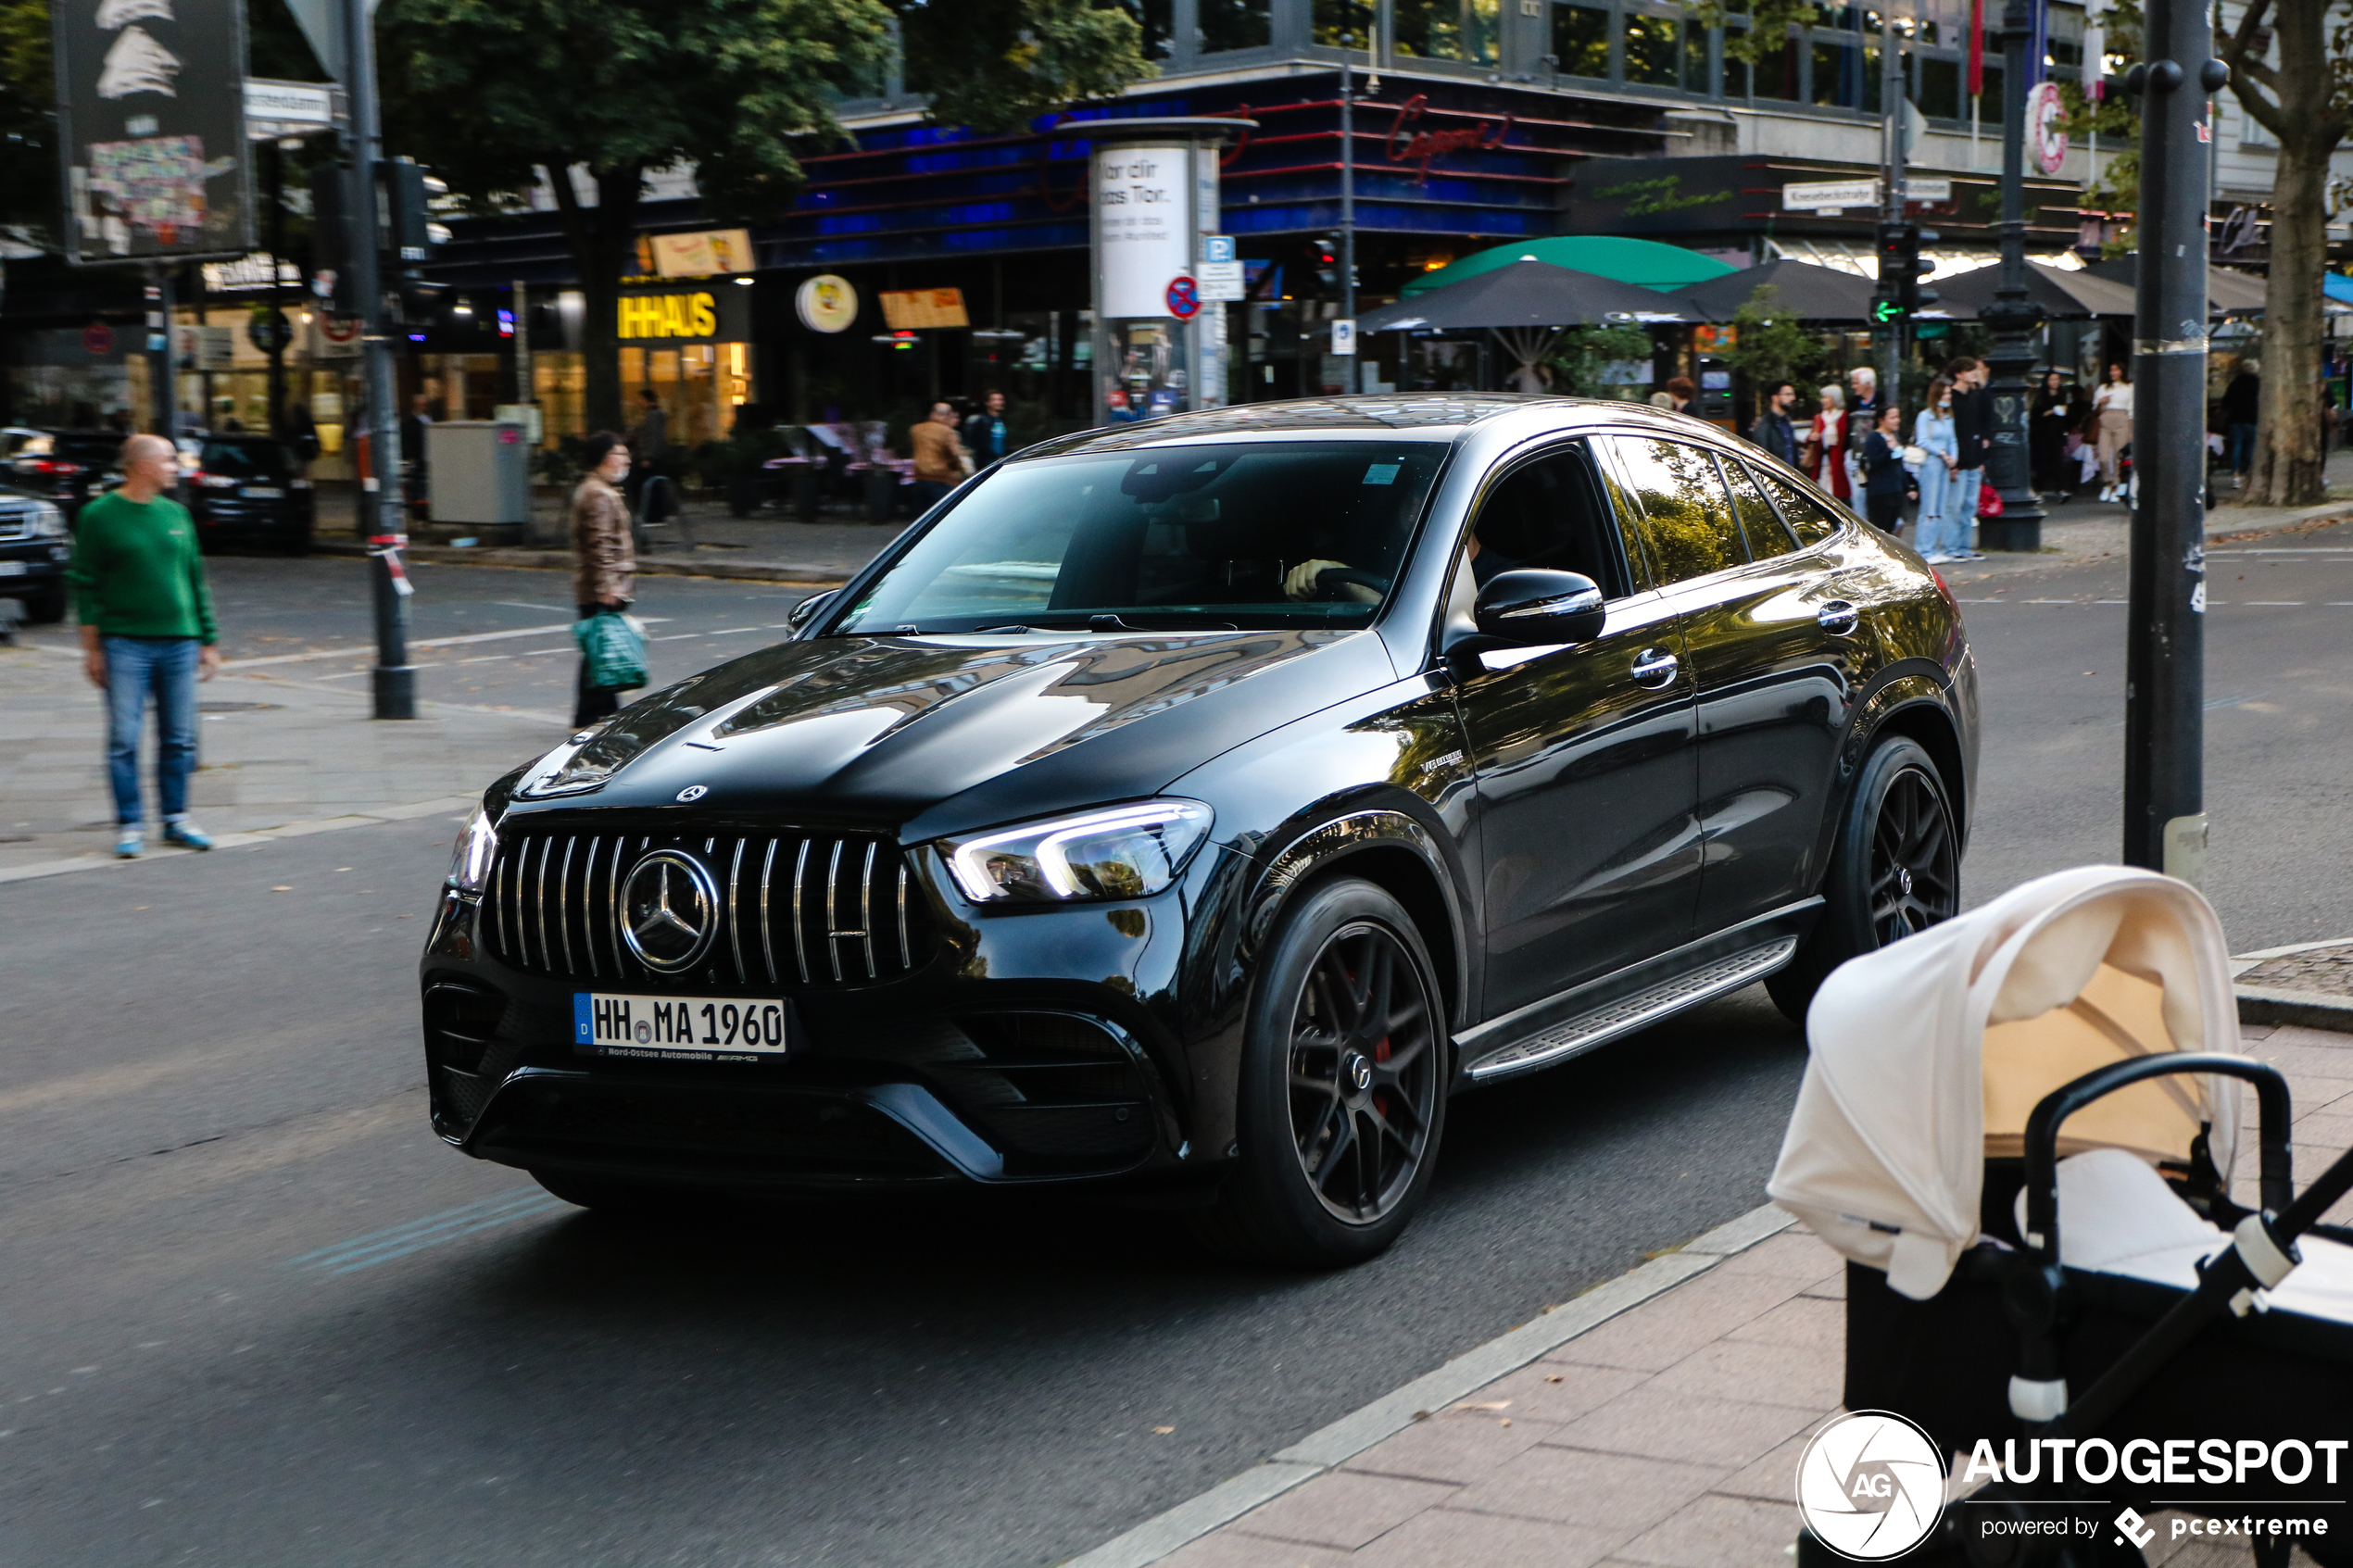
column 1687, row 524
column 1550, row 514
column 1760, row 522
column 1808, row 516
column 1215, row 535
column 248, row 460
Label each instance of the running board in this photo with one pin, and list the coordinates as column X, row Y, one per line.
column 1581, row 1033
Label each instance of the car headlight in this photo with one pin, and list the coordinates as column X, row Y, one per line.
column 1119, row 852
column 48, row 519
column 477, row 846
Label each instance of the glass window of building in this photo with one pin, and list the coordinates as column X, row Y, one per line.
column 1580, row 41
column 1447, row 30
column 1153, row 17
column 1342, row 24
column 1235, row 24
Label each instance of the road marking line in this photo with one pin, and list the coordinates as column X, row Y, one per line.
column 1324, row 1451
column 677, row 638
column 519, row 603
column 2276, row 603
column 488, row 659
column 421, row 643
column 731, row 631
column 2054, row 601
column 398, row 1241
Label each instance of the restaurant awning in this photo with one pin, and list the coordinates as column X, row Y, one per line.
column 1525, row 293
column 1815, row 293
column 1645, row 263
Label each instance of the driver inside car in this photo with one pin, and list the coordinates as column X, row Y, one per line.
column 1303, row 582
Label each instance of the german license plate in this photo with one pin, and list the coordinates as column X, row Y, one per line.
column 683, row 1028
column 262, row 491
column 12, row 569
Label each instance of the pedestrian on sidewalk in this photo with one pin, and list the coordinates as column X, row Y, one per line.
column 1885, row 482
column 148, row 630
column 1773, row 430
column 1972, row 438
column 648, row 441
column 1826, row 440
column 2241, row 401
column 941, row 461
column 985, row 435
column 2049, row 419
column 604, row 557
column 2112, row 421
column 1940, row 493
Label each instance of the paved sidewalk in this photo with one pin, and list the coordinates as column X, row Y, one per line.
column 275, row 751
column 1667, row 1436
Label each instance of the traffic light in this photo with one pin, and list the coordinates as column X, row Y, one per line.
column 1900, row 294
column 1327, row 260
column 410, row 233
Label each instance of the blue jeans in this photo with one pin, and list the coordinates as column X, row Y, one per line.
column 2242, row 447
column 136, row 667
column 1950, row 535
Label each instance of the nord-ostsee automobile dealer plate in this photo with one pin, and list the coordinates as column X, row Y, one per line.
column 683, row 1028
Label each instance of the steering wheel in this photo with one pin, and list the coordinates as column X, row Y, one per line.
column 1332, row 579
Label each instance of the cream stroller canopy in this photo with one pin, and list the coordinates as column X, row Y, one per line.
column 1929, row 1055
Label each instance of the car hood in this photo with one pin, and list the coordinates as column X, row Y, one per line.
column 934, row 734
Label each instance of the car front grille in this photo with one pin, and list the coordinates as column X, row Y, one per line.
column 797, row 909
column 16, row 523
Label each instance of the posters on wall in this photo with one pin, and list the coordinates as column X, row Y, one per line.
column 1144, row 228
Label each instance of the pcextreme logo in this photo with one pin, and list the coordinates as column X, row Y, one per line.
column 1871, row 1486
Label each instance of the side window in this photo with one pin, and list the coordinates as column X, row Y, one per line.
column 1551, row 513
column 1806, row 516
column 1686, row 521
column 1760, row 522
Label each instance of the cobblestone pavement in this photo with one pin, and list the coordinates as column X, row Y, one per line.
column 1668, row 1437
column 2328, row 971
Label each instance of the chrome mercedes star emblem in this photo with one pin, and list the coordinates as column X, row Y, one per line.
column 694, row 792
column 670, row 911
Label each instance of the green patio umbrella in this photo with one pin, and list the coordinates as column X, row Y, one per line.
column 1645, row 263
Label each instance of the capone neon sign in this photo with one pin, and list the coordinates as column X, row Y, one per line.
column 1408, row 145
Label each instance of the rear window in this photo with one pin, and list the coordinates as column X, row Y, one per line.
column 248, row 460
column 1806, row 515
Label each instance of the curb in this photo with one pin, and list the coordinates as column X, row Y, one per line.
column 2308, row 1009
column 1323, row 1450
column 451, row 803
column 560, row 560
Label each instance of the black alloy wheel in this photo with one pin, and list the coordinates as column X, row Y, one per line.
column 1915, row 865
column 1364, row 1073
column 1895, row 869
column 1341, row 1099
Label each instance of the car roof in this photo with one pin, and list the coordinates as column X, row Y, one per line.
column 1441, row 415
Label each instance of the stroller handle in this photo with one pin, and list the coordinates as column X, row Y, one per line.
column 2052, row 1112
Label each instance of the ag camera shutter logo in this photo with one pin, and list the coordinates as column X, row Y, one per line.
column 1871, row 1486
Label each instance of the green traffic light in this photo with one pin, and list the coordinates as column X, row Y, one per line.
column 1886, row 310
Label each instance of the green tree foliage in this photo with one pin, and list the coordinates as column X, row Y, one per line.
column 1580, row 357
column 2292, row 72
column 1754, row 29
column 2116, row 120
column 1772, row 346
column 491, row 93
column 28, row 123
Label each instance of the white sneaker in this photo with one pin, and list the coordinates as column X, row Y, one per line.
column 1939, row 558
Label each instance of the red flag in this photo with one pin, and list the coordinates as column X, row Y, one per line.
column 1976, row 47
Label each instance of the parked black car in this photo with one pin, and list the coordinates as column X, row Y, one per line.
column 33, row 555
column 249, row 490
column 66, row 466
column 1199, row 804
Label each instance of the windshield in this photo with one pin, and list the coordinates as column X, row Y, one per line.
column 1241, row 536
column 248, row 460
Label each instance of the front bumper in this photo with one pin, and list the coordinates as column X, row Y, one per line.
column 32, row 568
column 1039, row 1047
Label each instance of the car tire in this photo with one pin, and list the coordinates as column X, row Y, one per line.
column 1341, row 1099
column 46, row 607
column 1894, row 870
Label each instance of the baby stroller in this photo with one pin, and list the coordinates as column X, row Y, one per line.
column 2019, row 1127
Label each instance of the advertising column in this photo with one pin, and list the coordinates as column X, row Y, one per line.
column 1155, row 184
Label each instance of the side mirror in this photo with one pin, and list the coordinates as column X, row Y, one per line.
column 808, row 609
column 1532, row 607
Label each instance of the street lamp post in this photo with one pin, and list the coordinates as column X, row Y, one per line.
column 2013, row 317
column 2165, row 659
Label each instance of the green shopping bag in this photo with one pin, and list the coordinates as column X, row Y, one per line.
column 614, row 648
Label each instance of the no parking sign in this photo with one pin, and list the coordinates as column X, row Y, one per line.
column 1184, row 298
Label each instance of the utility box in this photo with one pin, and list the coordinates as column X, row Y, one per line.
column 478, row 474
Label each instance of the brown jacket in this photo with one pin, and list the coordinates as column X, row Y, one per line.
column 938, row 453
column 604, row 557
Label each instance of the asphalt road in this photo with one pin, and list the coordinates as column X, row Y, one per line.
column 255, row 1314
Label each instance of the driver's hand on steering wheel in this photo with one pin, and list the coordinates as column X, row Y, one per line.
column 1301, row 583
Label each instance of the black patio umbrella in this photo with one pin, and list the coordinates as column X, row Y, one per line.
column 1965, row 295
column 1525, row 305
column 1813, row 293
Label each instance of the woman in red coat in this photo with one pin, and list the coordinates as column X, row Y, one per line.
column 1827, row 434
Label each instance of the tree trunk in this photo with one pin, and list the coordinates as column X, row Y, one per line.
column 2288, row 459
column 602, row 239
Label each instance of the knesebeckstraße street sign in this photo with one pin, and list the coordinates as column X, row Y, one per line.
column 151, row 108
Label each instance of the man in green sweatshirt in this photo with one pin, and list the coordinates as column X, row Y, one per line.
column 146, row 630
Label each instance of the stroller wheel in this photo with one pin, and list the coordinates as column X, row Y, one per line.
column 1894, row 870
column 1343, row 1086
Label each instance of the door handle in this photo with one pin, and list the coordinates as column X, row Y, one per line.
column 1839, row 617
column 1654, row 668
